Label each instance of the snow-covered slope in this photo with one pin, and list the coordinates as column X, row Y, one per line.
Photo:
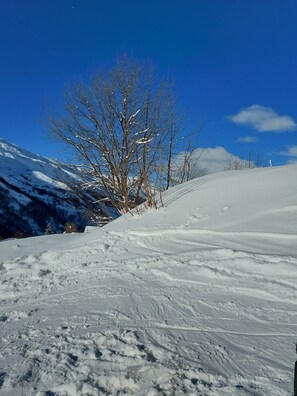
column 251, row 206
column 34, row 192
column 197, row 298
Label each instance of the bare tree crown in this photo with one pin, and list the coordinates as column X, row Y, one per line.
column 123, row 128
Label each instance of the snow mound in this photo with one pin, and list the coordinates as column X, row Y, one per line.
column 250, row 200
column 197, row 298
column 252, row 205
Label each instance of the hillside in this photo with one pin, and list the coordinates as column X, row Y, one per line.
column 198, row 298
column 34, row 191
column 247, row 205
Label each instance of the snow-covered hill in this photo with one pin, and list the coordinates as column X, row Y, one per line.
column 34, row 192
column 197, row 298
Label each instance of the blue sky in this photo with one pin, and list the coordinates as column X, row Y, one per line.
column 234, row 64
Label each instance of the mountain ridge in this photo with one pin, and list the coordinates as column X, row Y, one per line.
column 36, row 191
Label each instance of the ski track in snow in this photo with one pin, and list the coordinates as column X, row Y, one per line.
column 198, row 322
column 199, row 298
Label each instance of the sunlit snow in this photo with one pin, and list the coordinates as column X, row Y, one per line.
column 196, row 298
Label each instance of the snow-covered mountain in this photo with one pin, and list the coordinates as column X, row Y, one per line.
column 34, row 191
column 197, row 298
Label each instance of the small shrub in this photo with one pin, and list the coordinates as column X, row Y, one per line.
column 70, row 227
column 19, row 234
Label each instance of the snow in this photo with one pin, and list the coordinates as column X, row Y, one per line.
column 18, row 165
column 197, row 298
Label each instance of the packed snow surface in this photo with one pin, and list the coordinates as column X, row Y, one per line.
column 197, row 298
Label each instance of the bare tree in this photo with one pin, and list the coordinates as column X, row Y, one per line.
column 70, row 227
column 183, row 164
column 237, row 163
column 122, row 127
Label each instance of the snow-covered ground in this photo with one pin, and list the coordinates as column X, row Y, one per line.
column 197, row 298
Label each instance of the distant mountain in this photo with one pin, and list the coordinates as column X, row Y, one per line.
column 35, row 192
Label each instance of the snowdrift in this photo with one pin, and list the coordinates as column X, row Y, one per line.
column 196, row 298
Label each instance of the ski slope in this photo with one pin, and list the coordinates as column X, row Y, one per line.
column 197, row 298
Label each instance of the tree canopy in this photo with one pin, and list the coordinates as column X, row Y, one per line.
column 123, row 127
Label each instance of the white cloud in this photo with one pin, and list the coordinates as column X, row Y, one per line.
column 291, row 152
column 264, row 119
column 247, row 139
column 205, row 161
column 211, row 160
column 292, row 161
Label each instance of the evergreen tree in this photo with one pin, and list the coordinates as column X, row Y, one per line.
column 49, row 229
